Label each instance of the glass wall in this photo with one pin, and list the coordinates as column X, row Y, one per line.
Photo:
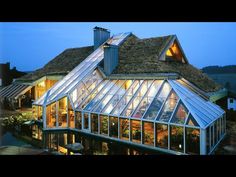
column 94, row 123
column 176, row 138
column 71, row 116
column 180, row 115
column 37, row 112
column 148, row 133
column 162, row 135
column 168, row 108
column 113, row 124
column 62, row 113
column 124, row 129
column 86, row 121
column 103, row 124
column 51, row 115
column 78, row 120
column 157, row 102
column 192, row 140
column 135, row 131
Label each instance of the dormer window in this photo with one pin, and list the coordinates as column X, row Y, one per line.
column 174, row 53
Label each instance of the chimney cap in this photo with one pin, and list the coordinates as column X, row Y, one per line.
column 99, row 28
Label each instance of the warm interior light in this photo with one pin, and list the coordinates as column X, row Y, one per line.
column 42, row 84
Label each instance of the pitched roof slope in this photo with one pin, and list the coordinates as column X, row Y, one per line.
column 61, row 64
column 142, row 56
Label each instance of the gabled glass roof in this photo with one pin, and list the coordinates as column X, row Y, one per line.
column 164, row 101
column 71, row 80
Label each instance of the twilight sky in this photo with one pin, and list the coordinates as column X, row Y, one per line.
column 29, row 46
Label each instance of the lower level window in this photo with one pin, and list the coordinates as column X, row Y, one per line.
column 192, row 141
column 104, row 125
column 113, row 127
column 136, row 131
column 177, row 140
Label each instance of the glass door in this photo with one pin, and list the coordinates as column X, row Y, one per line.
column 86, row 122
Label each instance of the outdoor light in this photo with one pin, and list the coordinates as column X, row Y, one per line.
column 180, row 146
column 113, row 123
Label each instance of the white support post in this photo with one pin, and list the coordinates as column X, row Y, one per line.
column 184, row 133
column 169, row 136
column 118, row 119
column 44, row 116
column 203, row 142
column 99, row 132
column 142, row 129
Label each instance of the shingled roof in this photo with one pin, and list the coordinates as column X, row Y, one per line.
column 61, row 64
column 139, row 56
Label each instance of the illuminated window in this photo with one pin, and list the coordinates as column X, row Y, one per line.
column 176, row 138
column 62, row 112
column 94, row 123
column 78, row 121
column 180, row 115
column 104, row 124
column 162, row 135
column 192, row 141
column 148, row 133
column 124, row 129
column 51, row 115
column 113, row 127
column 136, row 131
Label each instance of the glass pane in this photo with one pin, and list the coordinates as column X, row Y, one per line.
column 51, row 115
column 78, row 121
column 192, row 141
column 94, row 123
column 99, row 97
column 148, row 133
column 92, row 95
column 177, row 138
column 71, row 116
column 62, row 113
column 168, row 108
column 136, row 131
column 116, row 98
column 157, row 102
column 125, row 100
column 180, row 115
column 124, row 129
column 162, row 135
column 191, row 121
column 86, row 121
column 109, row 95
column 113, row 127
column 104, row 124
column 147, row 99
column 136, row 100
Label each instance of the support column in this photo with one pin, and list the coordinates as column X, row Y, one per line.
column 44, row 117
column 203, row 142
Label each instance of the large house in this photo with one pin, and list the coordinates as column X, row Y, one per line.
column 138, row 91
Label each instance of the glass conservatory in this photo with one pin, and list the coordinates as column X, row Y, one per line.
column 160, row 114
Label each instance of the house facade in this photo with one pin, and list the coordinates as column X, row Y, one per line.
column 138, row 91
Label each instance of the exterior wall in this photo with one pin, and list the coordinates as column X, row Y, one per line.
column 231, row 103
